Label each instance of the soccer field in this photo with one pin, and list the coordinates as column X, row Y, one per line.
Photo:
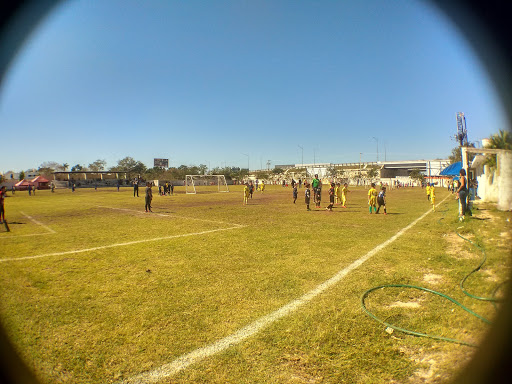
column 204, row 289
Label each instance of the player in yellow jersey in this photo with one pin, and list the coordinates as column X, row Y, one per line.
column 344, row 192
column 427, row 188
column 433, row 197
column 337, row 194
column 262, row 186
column 247, row 192
column 372, row 198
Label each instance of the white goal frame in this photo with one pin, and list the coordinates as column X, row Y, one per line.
column 191, row 181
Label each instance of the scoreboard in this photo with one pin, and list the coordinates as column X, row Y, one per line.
column 161, row 163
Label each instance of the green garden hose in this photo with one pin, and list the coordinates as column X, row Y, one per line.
column 491, row 299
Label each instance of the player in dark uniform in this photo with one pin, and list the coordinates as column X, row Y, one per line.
column 307, row 195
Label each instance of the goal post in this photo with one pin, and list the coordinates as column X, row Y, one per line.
column 205, row 183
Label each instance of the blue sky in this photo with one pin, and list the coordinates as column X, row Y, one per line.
column 224, row 82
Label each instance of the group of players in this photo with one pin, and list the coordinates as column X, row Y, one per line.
column 337, row 195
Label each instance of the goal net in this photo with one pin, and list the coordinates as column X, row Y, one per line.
column 205, row 184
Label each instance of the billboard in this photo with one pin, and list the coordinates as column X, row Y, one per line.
column 161, row 163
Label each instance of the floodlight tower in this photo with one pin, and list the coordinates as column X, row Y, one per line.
column 462, row 132
column 462, row 138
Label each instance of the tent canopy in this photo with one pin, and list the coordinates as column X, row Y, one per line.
column 452, row 169
column 39, row 179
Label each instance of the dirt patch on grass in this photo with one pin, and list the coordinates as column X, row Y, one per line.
column 401, row 304
column 435, row 366
column 456, row 247
column 432, row 278
column 295, row 369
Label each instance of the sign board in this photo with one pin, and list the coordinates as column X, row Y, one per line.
column 161, row 163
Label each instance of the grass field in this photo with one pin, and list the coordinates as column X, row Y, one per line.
column 95, row 290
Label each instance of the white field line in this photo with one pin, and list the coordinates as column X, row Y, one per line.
column 172, row 215
column 199, row 354
column 119, row 244
column 38, row 223
column 50, row 231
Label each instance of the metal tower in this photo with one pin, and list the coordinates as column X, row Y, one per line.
column 462, row 133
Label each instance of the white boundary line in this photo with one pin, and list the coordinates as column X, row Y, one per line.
column 172, row 215
column 119, row 244
column 199, row 354
column 50, row 231
column 37, row 222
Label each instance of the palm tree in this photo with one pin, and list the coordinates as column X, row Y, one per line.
column 501, row 140
column 65, row 166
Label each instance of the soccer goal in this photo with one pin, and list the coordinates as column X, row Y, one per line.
column 205, row 183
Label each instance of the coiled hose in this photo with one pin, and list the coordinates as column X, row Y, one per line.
column 491, row 299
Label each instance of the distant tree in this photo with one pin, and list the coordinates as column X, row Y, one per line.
column 500, row 140
column 45, row 171
column 76, row 168
column 202, row 169
column 53, row 165
column 416, row 175
column 65, row 166
column 262, row 175
column 130, row 166
column 278, row 171
column 373, row 172
column 98, row 165
column 456, row 154
column 22, row 175
column 331, row 171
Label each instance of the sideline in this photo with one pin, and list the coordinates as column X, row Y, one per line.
column 50, row 231
column 171, row 215
column 199, row 354
column 119, row 244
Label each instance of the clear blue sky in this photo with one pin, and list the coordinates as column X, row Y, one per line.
column 209, row 81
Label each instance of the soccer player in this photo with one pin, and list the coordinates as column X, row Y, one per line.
column 307, row 196
column 136, row 188
column 381, row 200
column 295, row 193
column 331, row 198
column 2, row 208
column 433, row 197
column 315, row 184
column 246, row 193
column 337, row 194
column 251, row 188
column 427, row 188
column 149, row 197
column 262, row 186
column 344, row 192
column 372, row 198
column 318, row 197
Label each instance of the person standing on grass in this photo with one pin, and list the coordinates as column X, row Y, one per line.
column 372, row 198
column 149, row 197
column 2, row 208
column 331, row 197
column 344, row 192
column 337, row 194
column 294, row 193
column 381, row 200
column 318, row 197
column 462, row 194
column 307, row 195
column 171, row 187
column 246, row 193
column 136, row 187
column 427, row 189
column 262, row 186
column 251, row 188
column 315, row 183
column 433, row 196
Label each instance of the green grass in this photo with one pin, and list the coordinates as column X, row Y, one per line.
column 110, row 313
